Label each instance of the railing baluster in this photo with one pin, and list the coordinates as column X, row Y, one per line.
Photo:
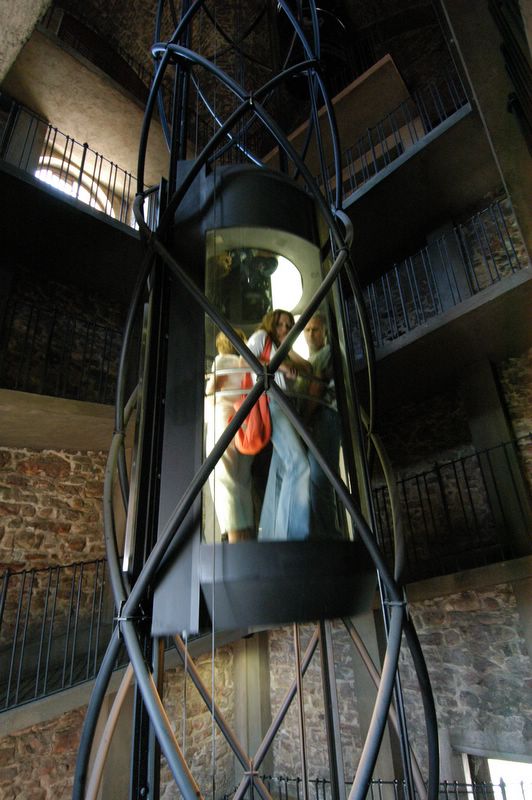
column 43, row 633
column 420, row 295
column 68, row 623
column 76, row 622
column 12, row 660
column 22, row 657
column 52, row 625
column 506, row 235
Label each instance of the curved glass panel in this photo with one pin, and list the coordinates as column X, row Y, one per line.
column 281, row 492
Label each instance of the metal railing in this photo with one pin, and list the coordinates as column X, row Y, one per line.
column 47, row 351
column 398, row 132
column 55, row 625
column 285, row 788
column 460, row 514
column 454, row 267
column 31, row 144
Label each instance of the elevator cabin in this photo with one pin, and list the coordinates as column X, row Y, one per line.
column 253, row 241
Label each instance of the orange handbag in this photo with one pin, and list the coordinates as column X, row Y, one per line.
column 256, row 430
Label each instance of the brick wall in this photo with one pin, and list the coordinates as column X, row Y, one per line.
column 286, row 748
column 479, row 667
column 37, row 763
column 50, row 507
column 197, row 722
column 515, row 376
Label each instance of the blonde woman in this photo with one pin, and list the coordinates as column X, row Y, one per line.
column 230, row 481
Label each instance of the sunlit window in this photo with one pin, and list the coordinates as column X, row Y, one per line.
column 514, row 774
column 70, row 186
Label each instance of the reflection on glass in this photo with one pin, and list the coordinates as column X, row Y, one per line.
column 282, row 493
column 230, row 483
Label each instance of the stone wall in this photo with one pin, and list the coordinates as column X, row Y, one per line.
column 419, row 434
column 515, row 376
column 197, row 722
column 59, row 340
column 286, row 747
column 50, row 508
column 479, row 667
column 37, row 763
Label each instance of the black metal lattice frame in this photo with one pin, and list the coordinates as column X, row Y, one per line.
column 129, row 599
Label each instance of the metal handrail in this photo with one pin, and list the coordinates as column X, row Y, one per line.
column 55, row 625
column 286, row 788
column 457, row 515
column 31, row 144
column 473, row 256
column 399, row 131
column 48, row 351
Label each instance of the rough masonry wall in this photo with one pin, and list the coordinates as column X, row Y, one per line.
column 187, row 711
column 50, row 508
column 286, row 747
column 420, row 433
column 37, row 763
column 480, row 671
column 515, row 376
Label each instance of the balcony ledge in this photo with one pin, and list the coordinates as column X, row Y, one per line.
column 41, row 422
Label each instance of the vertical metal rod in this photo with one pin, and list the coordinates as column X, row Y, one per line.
column 91, row 620
column 68, row 622
column 99, row 615
column 406, row 506
column 51, row 630
column 507, row 235
column 20, row 671
column 470, row 503
column 422, row 509
column 486, row 239
column 434, row 526
column 460, row 496
column 81, row 168
column 52, row 146
column 23, row 153
column 301, row 710
column 22, row 579
column 409, row 269
column 435, row 297
column 392, row 305
column 443, row 495
column 43, row 634
column 470, row 268
column 76, row 622
column 451, row 268
column 475, row 223
column 391, row 331
column 332, row 715
column 501, row 237
column 375, row 316
column 114, row 173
